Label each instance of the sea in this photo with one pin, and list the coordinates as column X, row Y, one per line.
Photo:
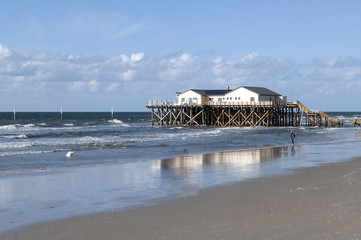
column 122, row 161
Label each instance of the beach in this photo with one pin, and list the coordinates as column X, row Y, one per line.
column 321, row 202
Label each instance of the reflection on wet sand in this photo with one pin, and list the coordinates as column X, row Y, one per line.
column 240, row 159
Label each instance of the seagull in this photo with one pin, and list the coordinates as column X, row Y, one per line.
column 69, row 154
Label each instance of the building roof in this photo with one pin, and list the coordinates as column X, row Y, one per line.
column 211, row 92
column 262, row 91
column 221, row 92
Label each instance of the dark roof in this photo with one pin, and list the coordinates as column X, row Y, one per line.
column 262, row 91
column 221, row 92
column 211, row 92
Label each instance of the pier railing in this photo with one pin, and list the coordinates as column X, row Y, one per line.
column 151, row 103
column 160, row 102
column 240, row 103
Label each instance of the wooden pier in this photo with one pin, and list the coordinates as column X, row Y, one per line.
column 241, row 114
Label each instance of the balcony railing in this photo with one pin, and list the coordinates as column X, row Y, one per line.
column 212, row 103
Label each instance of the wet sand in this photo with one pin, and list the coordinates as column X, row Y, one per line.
column 313, row 203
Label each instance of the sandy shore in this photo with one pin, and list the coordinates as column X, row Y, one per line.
column 314, row 203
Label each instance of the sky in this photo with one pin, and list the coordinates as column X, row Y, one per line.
column 94, row 55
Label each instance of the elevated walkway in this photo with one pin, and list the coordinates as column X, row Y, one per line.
column 238, row 113
column 318, row 118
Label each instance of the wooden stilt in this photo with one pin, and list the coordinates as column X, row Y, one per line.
column 224, row 115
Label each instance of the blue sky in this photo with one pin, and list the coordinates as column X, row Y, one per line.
column 95, row 55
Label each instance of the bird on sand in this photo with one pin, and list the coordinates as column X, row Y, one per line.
column 69, row 154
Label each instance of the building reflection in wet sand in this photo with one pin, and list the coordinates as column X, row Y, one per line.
column 240, row 161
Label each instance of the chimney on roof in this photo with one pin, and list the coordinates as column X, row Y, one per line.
column 228, row 88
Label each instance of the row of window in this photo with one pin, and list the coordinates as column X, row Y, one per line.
column 230, row 98
column 195, row 100
column 190, row 100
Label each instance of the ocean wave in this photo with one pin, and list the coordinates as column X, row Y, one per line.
column 10, row 136
column 22, row 127
column 118, row 122
column 29, row 125
column 8, row 127
column 115, row 121
column 90, row 139
column 5, row 154
column 12, row 145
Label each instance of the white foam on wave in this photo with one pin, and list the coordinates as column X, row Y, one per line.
column 89, row 138
column 176, row 128
column 181, row 135
column 20, row 136
column 8, row 127
column 5, row 154
column 22, row 127
column 116, row 121
column 119, row 122
column 12, row 145
column 68, row 124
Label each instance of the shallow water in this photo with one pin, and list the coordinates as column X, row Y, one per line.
column 117, row 164
column 38, row 142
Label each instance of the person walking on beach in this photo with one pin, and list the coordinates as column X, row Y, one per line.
column 292, row 137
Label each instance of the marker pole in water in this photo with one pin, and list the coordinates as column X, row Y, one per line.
column 112, row 114
column 61, row 114
column 14, row 115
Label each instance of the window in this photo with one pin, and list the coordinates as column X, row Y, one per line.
column 230, row 98
column 252, row 99
column 183, row 100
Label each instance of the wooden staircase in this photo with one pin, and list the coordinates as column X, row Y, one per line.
column 318, row 118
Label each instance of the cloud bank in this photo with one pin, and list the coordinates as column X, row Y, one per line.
column 138, row 77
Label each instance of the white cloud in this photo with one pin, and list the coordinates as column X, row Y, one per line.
column 4, row 52
column 128, row 75
column 124, row 58
column 93, row 86
column 112, row 87
column 252, row 69
column 81, row 86
column 136, row 57
column 218, row 59
column 351, row 74
column 22, row 72
column 73, row 57
column 332, row 61
column 77, row 86
column 185, row 67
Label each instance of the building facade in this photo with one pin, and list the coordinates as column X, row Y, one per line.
column 240, row 95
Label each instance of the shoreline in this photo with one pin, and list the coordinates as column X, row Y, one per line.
column 311, row 203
